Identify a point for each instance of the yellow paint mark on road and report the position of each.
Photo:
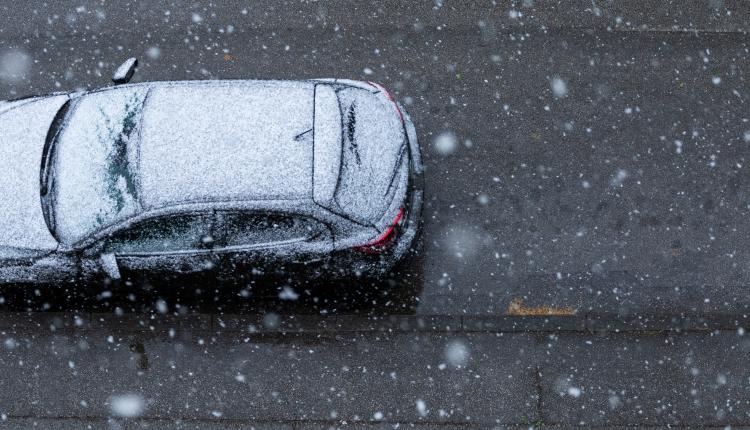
(516, 308)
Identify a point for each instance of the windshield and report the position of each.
(46, 172)
(90, 173)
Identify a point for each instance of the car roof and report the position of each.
(226, 140)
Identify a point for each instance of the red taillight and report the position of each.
(390, 97)
(380, 243)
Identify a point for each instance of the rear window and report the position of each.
(373, 144)
(258, 229)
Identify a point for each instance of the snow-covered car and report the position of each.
(230, 178)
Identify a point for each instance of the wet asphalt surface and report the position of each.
(584, 158)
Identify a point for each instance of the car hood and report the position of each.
(23, 129)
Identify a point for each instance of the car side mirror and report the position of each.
(108, 262)
(124, 73)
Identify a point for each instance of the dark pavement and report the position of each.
(582, 157)
(212, 372)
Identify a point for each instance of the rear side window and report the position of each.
(167, 234)
(259, 229)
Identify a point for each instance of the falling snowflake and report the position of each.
(446, 143)
(457, 353)
(127, 405)
(14, 66)
(559, 87)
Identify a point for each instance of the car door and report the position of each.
(163, 248)
(269, 245)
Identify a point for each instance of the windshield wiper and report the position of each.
(351, 121)
(46, 172)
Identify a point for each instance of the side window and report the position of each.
(166, 234)
(247, 228)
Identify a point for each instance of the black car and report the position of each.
(223, 177)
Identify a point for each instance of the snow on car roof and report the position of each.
(231, 140)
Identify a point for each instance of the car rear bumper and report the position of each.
(412, 225)
(407, 242)
(353, 263)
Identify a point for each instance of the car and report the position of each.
(233, 178)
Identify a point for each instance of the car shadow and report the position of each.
(397, 293)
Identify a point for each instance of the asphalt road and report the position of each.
(582, 157)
